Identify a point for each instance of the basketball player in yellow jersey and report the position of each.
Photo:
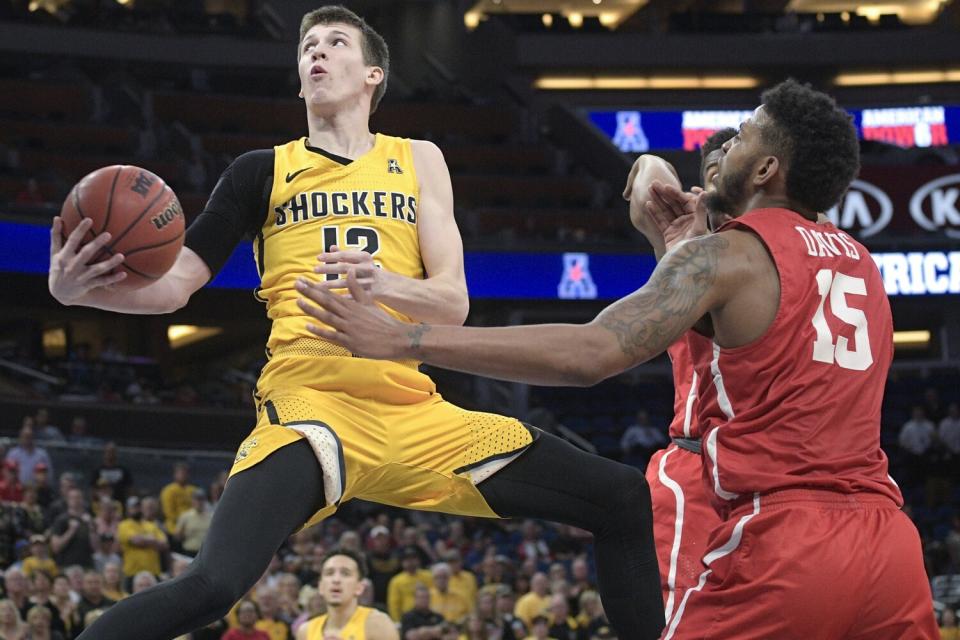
(341, 583)
(330, 426)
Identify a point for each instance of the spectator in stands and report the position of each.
(80, 433)
(39, 558)
(151, 513)
(8, 533)
(59, 504)
(932, 406)
(66, 607)
(641, 438)
(177, 497)
(270, 622)
(948, 625)
(141, 541)
(11, 624)
(41, 585)
(143, 581)
(41, 478)
(106, 535)
(72, 533)
(540, 628)
(39, 625)
(43, 429)
(420, 622)
(247, 616)
(452, 606)
(536, 601)
(193, 524)
(592, 618)
(505, 606)
(16, 588)
(288, 591)
(74, 574)
(461, 581)
(26, 454)
(916, 437)
(313, 607)
(402, 587)
(10, 488)
(581, 582)
(533, 546)
(383, 560)
(112, 473)
(30, 194)
(92, 598)
(30, 517)
(561, 625)
(113, 581)
(949, 430)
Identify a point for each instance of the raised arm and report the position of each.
(441, 296)
(691, 280)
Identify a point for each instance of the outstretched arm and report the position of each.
(689, 282)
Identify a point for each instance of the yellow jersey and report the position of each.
(369, 204)
(355, 629)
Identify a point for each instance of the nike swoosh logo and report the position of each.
(291, 176)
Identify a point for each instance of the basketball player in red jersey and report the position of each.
(682, 514)
(813, 543)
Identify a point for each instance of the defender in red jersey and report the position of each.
(813, 543)
(682, 514)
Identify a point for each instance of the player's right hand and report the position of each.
(71, 278)
(680, 215)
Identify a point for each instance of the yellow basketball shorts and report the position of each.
(394, 441)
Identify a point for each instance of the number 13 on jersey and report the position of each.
(836, 287)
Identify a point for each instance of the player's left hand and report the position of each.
(353, 321)
(337, 261)
(680, 215)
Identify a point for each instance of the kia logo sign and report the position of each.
(934, 205)
(864, 207)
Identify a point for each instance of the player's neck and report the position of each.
(339, 616)
(345, 133)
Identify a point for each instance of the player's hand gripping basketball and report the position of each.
(354, 321)
(71, 277)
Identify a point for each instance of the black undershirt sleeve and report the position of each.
(237, 208)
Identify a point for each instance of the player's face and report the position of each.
(732, 181)
(331, 66)
(340, 581)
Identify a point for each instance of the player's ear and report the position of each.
(768, 168)
(374, 75)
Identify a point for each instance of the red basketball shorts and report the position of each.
(810, 565)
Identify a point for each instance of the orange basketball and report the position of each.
(141, 213)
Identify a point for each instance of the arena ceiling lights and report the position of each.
(610, 13)
(878, 78)
(632, 83)
(909, 11)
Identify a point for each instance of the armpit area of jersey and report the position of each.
(237, 208)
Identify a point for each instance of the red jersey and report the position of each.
(685, 385)
(800, 406)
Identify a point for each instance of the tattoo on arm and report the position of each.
(416, 335)
(647, 321)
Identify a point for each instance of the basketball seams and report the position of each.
(116, 178)
(154, 246)
(139, 217)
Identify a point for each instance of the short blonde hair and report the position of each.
(375, 50)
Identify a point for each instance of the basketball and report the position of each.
(141, 213)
